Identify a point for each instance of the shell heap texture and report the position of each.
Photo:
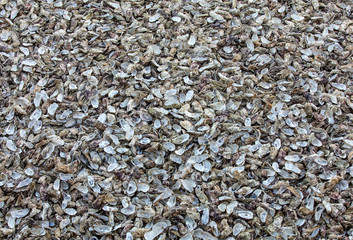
(199, 119)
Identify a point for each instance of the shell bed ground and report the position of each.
(199, 119)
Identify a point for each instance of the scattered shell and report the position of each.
(245, 214)
(20, 213)
(70, 211)
(297, 17)
(156, 230)
(102, 229)
(181, 139)
(29, 62)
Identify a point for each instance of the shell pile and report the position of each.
(193, 119)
